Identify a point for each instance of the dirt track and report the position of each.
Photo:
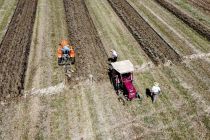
(203, 4)
(153, 45)
(15, 48)
(193, 23)
(91, 56)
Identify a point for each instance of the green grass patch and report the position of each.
(196, 13)
(206, 121)
(1, 3)
(93, 112)
(182, 91)
(191, 35)
(39, 136)
(114, 32)
(6, 18)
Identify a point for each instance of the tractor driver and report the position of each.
(65, 46)
(64, 49)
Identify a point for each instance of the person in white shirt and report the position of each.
(155, 91)
(114, 55)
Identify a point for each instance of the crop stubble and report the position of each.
(153, 45)
(14, 49)
(190, 21)
(90, 56)
(203, 4)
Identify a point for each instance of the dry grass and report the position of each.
(114, 34)
(193, 11)
(91, 110)
(6, 12)
(166, 116)
(181, 37)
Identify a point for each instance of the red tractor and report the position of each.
(121, 76)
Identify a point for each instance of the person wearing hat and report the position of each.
(65, 48)
(62, 49)
(114, 55)
(155, 91)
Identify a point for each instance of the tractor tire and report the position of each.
(59, 61)
(139, 96)
(72, 60)
(122, 99)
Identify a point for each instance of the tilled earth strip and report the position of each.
(152, 43)
(90, 56)
(190, 21)
(14, 49)
(203, 4)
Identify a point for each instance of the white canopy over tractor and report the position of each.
(123, 66)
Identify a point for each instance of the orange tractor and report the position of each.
(65, 53)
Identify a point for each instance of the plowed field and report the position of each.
(160, 45)
(193, 23)
(203, 4)
(15, 48)
(91, 56)
(153, 45)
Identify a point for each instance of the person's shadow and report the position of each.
(148, 93)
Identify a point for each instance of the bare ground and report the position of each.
(91, 56)
(16, 46)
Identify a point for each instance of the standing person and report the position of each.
(155, 91)
(114, 55)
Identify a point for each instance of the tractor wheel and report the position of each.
(122, 99)
(72, 60)
(138, 95)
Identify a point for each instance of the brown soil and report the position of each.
(91, 56)
(14, 49)
(203, 4)
(153, 45)
(190, 21)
